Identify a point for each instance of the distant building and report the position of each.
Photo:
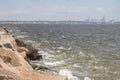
(102, 20)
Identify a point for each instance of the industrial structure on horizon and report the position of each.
(86, 21)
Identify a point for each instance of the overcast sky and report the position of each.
(59, 9)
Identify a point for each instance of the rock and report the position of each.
(22, 49)
(8, 45)
(8, 75)
(20, 43)
(3, 30)
(4, 77)
(6, 59)
(32, 54)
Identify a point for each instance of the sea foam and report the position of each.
(67, 73)
(56, 63)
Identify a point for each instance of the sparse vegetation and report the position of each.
(34, 66)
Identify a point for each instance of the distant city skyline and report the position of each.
(58, 10)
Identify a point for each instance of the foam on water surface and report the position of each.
(56, 63)
(91, 50)
(68, 74)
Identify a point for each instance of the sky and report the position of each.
(56, 10)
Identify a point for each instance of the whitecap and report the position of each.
(61, 47)
(56, 63)
(76, 66)
(82, 54)
(87, 78)
(67, 73)
(45, 54)
(30, 41)
(45, 41)
(51, 51)
(21, 36)
(69, 48)
(58, 51)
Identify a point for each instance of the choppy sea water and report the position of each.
(79, 51)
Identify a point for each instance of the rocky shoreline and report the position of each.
(14, 60)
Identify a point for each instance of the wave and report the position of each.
(67, 73)
(56, 63)
(70, 75)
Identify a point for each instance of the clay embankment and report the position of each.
(13, 64)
